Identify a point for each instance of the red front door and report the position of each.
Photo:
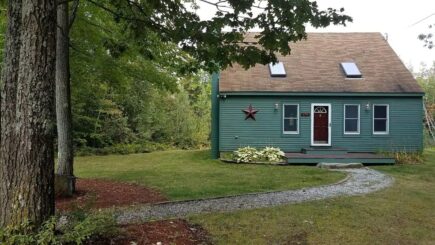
(321, 127)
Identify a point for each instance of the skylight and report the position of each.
(351, 70)
(277, 70)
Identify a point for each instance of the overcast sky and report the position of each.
(397, 18)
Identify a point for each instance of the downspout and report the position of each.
(215, 115)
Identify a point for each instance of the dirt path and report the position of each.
(358, 182)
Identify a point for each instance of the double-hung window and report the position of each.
(351, 119)
(291, 119)
(380, 119)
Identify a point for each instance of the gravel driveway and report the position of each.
(359, 181)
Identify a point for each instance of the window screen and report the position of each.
(351, 119)
(380, 119)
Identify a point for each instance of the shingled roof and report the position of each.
(314, 66)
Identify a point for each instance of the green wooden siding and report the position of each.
(405, 125)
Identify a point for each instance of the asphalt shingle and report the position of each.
(314, 66)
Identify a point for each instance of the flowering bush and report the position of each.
(250, 154)
(246, 154)
(272, 154)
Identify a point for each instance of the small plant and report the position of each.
(404, 157)
(246, 154)
(94, 225)
(250, 155)
(61, 230)
(408, 157)
(20, 234)
(272, 154)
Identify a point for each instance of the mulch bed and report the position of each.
(163, 232)
(95, 194)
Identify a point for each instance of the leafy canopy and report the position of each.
(427, 38)
(219, 41)
(127, 91)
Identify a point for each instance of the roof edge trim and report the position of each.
(344, 94)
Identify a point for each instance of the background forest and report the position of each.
(426, 79)
(128, 96)
(132, 96)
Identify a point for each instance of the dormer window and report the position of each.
(277, 70)
(351, 70)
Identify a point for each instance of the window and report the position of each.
(277, 70)
(291, 119)
(351, 119)
(351, 70)
(380, 119)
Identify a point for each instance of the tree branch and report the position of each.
(62, 2)
(73, 15)
(96, 25)
(218, 4)
(155, 26)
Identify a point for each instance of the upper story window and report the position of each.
(380, 119)
(291, 119)
(351, 119)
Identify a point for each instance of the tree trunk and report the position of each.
(8, 135)
(66, 181)
(10, 77)
(26, 153)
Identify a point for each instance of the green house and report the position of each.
(339, 97)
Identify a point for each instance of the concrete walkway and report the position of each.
(358, 182)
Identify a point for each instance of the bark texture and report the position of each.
(63, 102)
(27, 114)
(8, 139)
(10, 77)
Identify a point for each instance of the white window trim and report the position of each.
(283, 118)
(329, 123)
(388, 120)
(344, 120)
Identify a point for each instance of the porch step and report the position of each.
(325, 150)
(339, 165)
(364, 158)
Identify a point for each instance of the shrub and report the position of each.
(65, 230)
(250, 154)
(123, 149)
(272, 154)
(246, 154)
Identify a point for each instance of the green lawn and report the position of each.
(402, 214)
(192, 174)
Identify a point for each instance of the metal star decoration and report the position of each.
(250, 112)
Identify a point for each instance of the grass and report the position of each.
(402, 214)
(192, 174)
